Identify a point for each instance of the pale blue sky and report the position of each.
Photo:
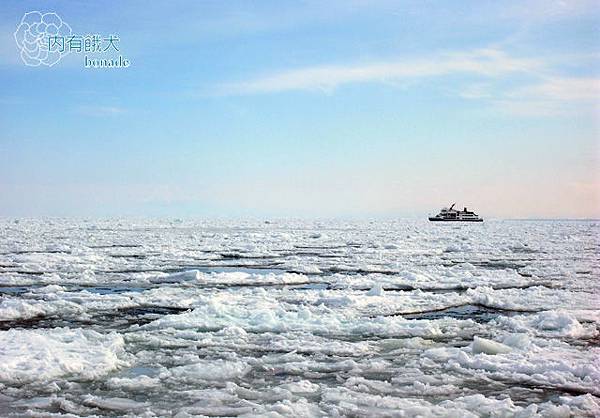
(307, 108)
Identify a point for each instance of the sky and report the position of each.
(306, 109)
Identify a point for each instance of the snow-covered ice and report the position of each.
(299, 318)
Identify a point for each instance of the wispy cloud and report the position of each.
(563, 88)
(540, 92)
(543, 96)
(484, 62)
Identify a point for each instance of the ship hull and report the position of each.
(455, 220)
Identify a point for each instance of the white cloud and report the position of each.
(563, 88)
(484, 62)
(546, 96)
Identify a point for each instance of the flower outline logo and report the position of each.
(33, 38)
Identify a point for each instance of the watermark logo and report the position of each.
(44, 38)
(33, 38)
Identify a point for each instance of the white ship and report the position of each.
(454, 215)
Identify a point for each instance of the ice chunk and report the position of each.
(520, 341)
(483, 345)
(40, 355)
(549, 323)
(138, 383)
(302, 386)
(216, 370)
(335, 301)
(14, 309)
(177, 277)
(376, 290)
(559, 321)
(11, 309)
(114, 404)
(51, 288)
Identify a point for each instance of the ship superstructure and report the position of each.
(451, 214)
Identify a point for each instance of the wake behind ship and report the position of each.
(454, 215)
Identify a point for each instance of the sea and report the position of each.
(299, 318)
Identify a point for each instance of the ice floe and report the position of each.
(41, 355)
(182, 317)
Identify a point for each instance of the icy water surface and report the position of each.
(298, 318)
